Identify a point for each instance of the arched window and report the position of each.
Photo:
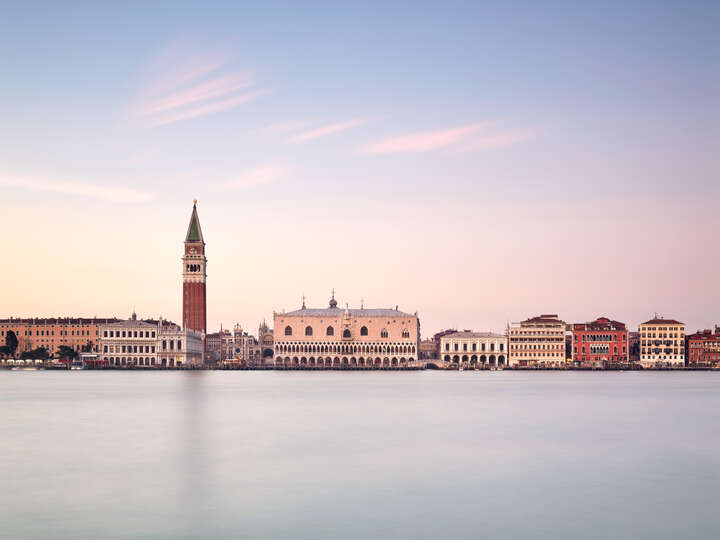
(346, 333)
(308, 330)
(406, 333)
(383, 333)
(330, 331)
(364, 331)
(288, 331)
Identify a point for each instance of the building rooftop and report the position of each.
(469, 334)
(337, 312)
(601, 323)
(546, 318)
(660, 320)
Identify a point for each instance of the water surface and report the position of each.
(167, 455)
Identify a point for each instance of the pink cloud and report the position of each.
(273, 130)
(327, 130)
(201, 92)
(255, 177)
(424, 141)
(181, 84)
(167, 72)
(209, 108)
(501, 140)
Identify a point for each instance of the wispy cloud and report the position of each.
(461, 138)
(423, 141)
(254, 177)
(275, 130)
(216, 106)
(329, 129)
(500, 140)
(92, 191)
(182, 84)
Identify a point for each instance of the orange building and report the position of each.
(79, 333)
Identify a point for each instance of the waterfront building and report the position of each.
(662, 343)
(346, 338)
(265, 346)
(537, 342)
(179, 347)
(600, 343)
(194, 277)
(148, 344)
(130, 343)
(428, 349)
(634, 346)
(483, 349)
(702, 348)
(80, 334)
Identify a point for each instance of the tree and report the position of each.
(40, 352)
(11, 341)
(5, 350)
(66, 352)
(88, 347)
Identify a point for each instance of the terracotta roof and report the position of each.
(601, 323)
(662, 321)
(59, 320)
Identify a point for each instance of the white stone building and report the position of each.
(149, 344)
(130, 343)
(482, 349)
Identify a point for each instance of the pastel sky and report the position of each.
(479, 162)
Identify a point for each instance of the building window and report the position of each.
(406, 333)
(383, 333)
(346, 333)
(308, 330)
(364, 331)
(330, 331)
(288, 331)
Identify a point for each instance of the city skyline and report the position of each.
(494, 165)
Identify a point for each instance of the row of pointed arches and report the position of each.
(343, 362)
(344, 348)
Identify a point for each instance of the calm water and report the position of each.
(86, 455)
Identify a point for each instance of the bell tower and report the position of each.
(194, 277)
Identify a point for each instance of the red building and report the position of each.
(702, 349)
(600, 343)
(194, 277)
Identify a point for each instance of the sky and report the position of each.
(476, 162)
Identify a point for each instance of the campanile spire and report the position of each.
(194, 276)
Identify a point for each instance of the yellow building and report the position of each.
(662, 343)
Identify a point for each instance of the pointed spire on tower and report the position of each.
(333, 302)
(194, 232)
(303, 302)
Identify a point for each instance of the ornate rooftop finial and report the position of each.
(194, 202)
(362, 303)
(333, 302)
(303, 302)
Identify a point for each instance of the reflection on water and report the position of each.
(359, 455)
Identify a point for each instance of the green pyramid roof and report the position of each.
(194, 233)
